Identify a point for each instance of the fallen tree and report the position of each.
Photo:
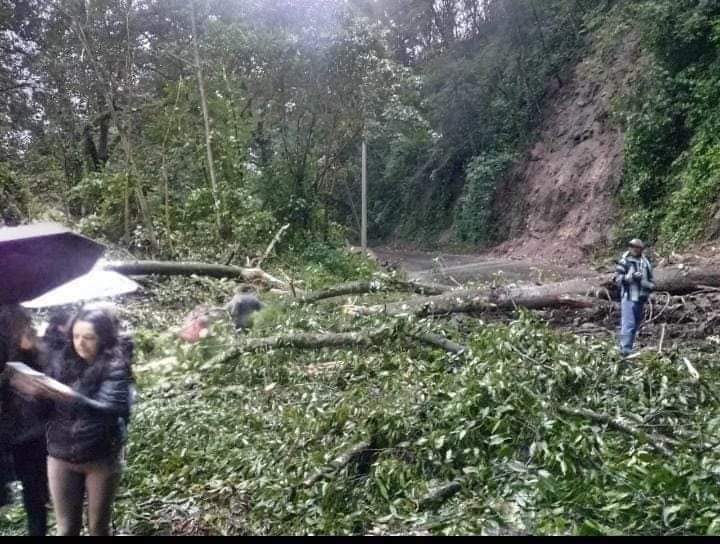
(682, 280)
(308, 340)
(374, 286)
(473, 301)
(576, 293)
(169, 268)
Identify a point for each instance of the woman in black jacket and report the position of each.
(85, 437)
(22, 421)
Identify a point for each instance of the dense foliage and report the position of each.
(103, 117)
(491, 419)
(105, 113)
(224, 446)
(672, 150)
(197, 129)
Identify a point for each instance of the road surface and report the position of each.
(453, 269)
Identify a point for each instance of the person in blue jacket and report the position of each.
(634, 276)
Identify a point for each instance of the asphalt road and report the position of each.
(453, 269)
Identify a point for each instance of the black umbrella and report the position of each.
(37, 258)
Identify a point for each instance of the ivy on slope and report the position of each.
(672, 150)
(226, 448)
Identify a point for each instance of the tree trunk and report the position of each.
(141, 268)
(107, 89)
(372, 286)
(206, 120)
(474, 301)
(577, 293)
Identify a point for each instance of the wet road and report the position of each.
(453, 269)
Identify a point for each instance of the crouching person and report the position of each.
(86, 436)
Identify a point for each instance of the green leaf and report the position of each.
(669, 513)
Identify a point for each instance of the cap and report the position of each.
(637, 242)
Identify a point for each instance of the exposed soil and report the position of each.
(557, 203)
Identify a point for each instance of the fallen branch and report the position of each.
(374, 286)
(473, 300)
(439, 341)
(274, 241)
(340, 462)
(440, 494)
(306, 340)
(167, 268)
(657, 441)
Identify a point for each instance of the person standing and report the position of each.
(634, 276)
(86, 435)
(22, 421)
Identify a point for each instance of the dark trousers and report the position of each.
(30, 461)
(68, 483)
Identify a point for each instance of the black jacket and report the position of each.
(22, 420)
(93, 427)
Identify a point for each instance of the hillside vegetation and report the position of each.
(458, 101)
(550, 129)
(528, 432)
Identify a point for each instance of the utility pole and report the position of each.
(363, 226)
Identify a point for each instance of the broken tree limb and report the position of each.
(474, 301)
(438, 341)
(274, 241)
(374, 286)
(438, 495)
(576, 293)
(168, 268)
(340, 462)
(657, 441)
(306, 340)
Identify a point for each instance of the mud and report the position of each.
(557, 204)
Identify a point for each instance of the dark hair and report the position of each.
(60, 318)
(105, 327)
(14, 321)
(109, 351)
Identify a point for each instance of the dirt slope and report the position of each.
(557, 203)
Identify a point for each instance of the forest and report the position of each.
(213, 146)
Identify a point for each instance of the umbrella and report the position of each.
(37, 258)
(95, 284)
